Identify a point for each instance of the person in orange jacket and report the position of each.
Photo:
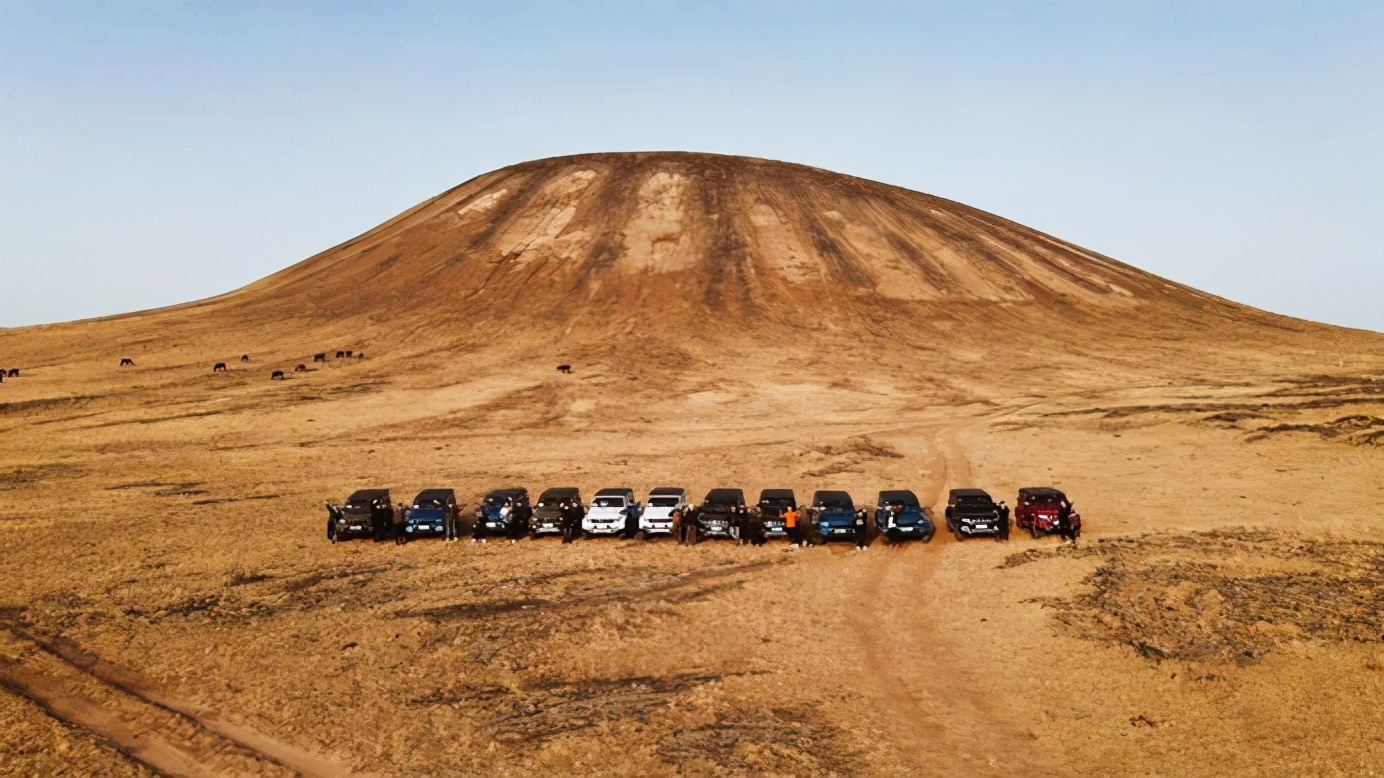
(790, 525)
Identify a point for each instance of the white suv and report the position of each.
(612, 512)
(657, 518)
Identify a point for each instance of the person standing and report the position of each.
(1003, 511)
(571, 521)
(631, 521)
(689, 526)
(862, 530)
(677, 524)
(399, 513)
(754, 527)
(449, 522)
(1064, 521)
(790, 525)
(518, 525)
(332, 515)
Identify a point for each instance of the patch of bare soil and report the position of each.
(1226, 595)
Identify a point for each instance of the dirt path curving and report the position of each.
(166, 735)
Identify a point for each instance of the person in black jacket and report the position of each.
(571, 521)
(690, 521)
(332, 515)
(754, 527)
(1064, 522)
(452, 518)
(1004, 521)
(517, 522)
(862, 530)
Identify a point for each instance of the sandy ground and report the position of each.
(170, 599)
(169, 603)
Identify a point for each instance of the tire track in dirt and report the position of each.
(869, 629)
(887, 685)
(909, 666)
(168, 736)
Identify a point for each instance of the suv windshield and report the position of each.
(776, 502)
(663, 502)
(609, 502)
(974, 504)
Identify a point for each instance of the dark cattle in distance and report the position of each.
(219, 367)
(340, 354)
(277, 375)
(348, 352)
(564, 368)
(319, 357)
(301, 369)
(244, 357)
(14, 372)
(127, 362)
(361, 355)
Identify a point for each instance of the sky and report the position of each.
(154, 152)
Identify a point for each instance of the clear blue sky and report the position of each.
(156, 152)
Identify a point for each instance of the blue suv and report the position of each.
(899, 516)
(833, 517)
(429, 514)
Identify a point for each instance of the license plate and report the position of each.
(354, 526)
(841, 531)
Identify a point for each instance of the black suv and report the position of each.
(550, 517)
(366, 513)
(772, 504)
(720, 515)
(971, 512)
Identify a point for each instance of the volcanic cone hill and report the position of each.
(648, 237)
(677, 255)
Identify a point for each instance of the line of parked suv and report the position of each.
(896, 515)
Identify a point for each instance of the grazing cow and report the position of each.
(340, 354)
(301, 369)
(219, 367)
(277, 375)
(319, 357)
(127, 362)
(244, 357)
(348, 352)
(361, 355)
(564, 368)
(14, 372)
(2, 379)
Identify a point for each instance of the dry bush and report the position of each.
(1224, 595)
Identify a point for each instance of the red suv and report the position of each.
(1036, 510)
